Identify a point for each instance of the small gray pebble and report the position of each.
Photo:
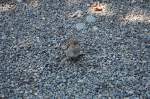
(134, 97)
(90, 19)
(19, 0)
(94, 28)
(80, 26)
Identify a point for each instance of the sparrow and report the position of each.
(73, 50)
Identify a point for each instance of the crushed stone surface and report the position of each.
(116, 64)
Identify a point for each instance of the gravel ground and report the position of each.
(116, 64)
